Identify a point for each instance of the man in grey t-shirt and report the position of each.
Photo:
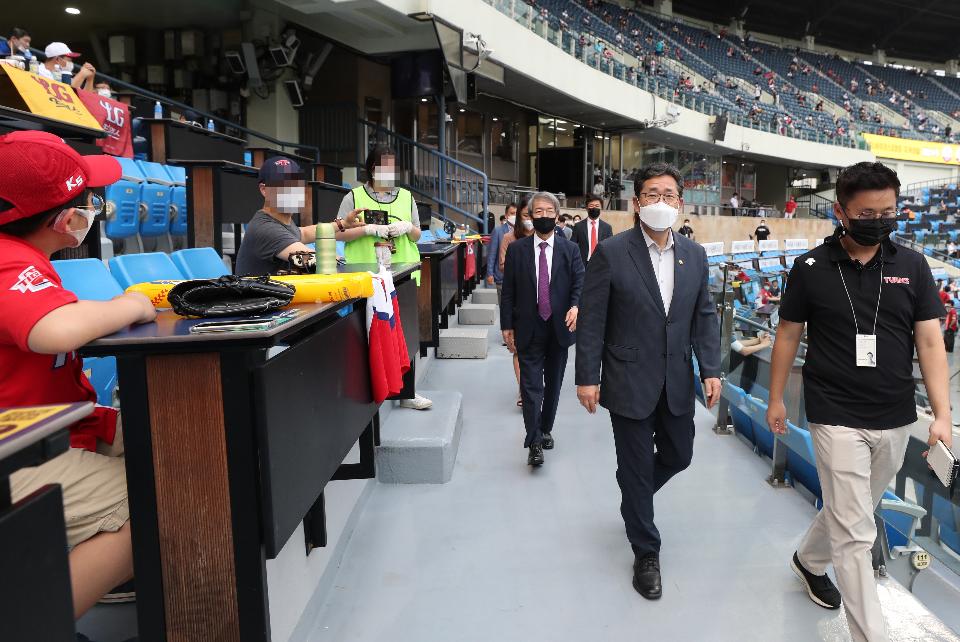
(271, 235)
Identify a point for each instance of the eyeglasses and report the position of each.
(650, 198)
(869, 214)
(540, 211)
(95, 207)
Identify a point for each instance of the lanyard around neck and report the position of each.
(879, 292)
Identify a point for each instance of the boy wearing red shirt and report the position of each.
(46, 205)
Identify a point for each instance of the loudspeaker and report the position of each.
(718, 129)
(471, 86)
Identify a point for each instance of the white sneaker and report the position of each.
(417, 403)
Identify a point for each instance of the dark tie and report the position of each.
(543, 285)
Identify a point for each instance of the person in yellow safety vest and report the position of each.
(361, 238)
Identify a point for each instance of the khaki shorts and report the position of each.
(94, 488)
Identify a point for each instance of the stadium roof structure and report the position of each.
(911, 29)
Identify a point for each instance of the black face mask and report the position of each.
(545, 224)
(593, 212)
(869, 232)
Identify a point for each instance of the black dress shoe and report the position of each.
(547, 442)
(646, 576)
(535, 458)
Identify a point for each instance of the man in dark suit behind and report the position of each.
(542, 280)
(645, 309)
(591, 231)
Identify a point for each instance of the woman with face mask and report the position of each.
(523, 226)
(387, 228)
(379, 223)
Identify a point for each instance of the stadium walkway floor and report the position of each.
(508, 554)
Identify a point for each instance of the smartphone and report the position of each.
(252, 324)
(376, 217)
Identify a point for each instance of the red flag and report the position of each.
(114, 118)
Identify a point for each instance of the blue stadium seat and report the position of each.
(199, 263)
(156, 197)
(139, 268)
(178, 223)
(801, 459)
(757, 411)
(90, 280)
(123, 202)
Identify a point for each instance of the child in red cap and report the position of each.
(46, 205)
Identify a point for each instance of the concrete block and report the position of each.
(463, 343)
(420, 446)
(477, 314)
(487, 296)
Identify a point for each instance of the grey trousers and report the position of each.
(856, 466)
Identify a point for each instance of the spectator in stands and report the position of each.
(58, 60)
(46, 205)
(522, 229)
(952, 249)
(735, 204)
(271, 235)
(860, 403)
(494, 275)
(762, 232)
(946, 294)
(18, 44)
(950, 327)
(790, 209)
(686, 230)
(661, 45)
(103, 88)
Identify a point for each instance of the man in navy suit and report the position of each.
(542, 280)
(646, 309)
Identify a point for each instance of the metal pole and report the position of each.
(442, 148)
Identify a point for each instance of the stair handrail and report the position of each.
(438, 197)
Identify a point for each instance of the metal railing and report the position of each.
(916, 189)
(450, 183)
(228, 125)
(817, 205)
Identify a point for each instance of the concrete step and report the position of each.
(463, 343)
(485, 296)
(477, 314)
(420, 446)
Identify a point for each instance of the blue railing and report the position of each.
(451, 184)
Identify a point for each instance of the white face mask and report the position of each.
(659, 216)
(512, 220)
(78, 235)
(291, 200)
(104, 92)
(385, 176)
(528, 225)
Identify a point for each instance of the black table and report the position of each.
(33, 536)
(172, 139)
(441, 281)
(228, 448)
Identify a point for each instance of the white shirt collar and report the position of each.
(651, 243)
(537, 240)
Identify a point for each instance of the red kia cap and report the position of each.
(38, 171)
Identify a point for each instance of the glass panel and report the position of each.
(470, 132)
(564, 133)
(547, 136)
(427, 131)
(503, 137)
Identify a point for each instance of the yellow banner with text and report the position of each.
(921, 151)
(50, 98)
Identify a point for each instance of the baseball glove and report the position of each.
(229, 296)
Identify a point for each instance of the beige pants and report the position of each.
(94, 487)
(855, 466)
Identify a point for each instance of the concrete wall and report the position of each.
(709, 229)
(911, 172)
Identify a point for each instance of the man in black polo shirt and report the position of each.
(762, 232)
(866, 303)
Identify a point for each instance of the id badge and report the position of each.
(867, 350)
